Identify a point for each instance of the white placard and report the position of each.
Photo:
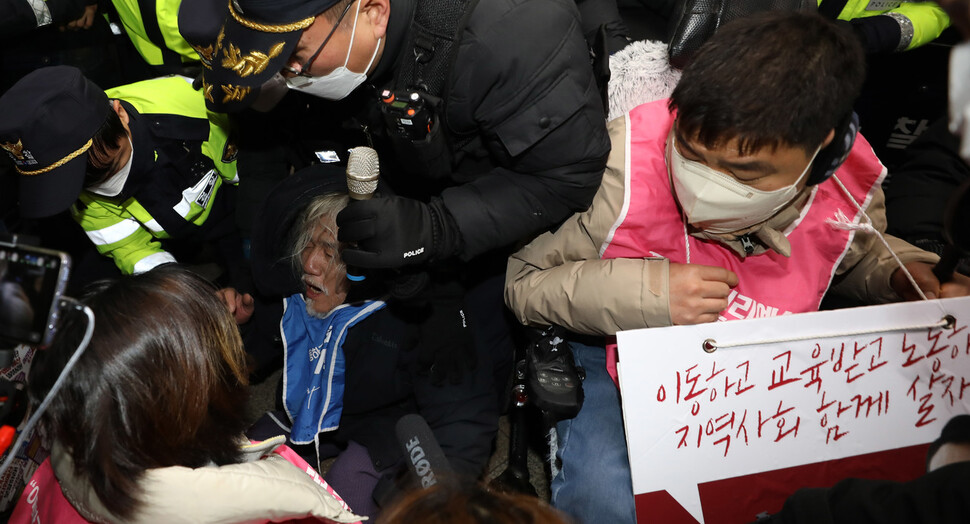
(859, 382)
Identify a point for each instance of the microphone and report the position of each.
(426, 462)
(363, 170)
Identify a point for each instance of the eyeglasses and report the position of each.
(303, 72)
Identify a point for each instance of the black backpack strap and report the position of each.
(435, 37)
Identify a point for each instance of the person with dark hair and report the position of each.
(137, 165)
(469, 503)
(747, 194)
(355, 360)
(149, 424)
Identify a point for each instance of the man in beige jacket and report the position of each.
(747, 194)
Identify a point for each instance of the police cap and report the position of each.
(49, 119)
(243, 43)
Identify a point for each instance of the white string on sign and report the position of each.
(842, 222)
(710, 345)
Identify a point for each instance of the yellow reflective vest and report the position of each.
(152, 26)
(165, 195)
(919, 22)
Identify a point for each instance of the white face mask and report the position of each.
(716, 202)
(115, 183)
(340, 82)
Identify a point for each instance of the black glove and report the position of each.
(394, 231)
(446, 349)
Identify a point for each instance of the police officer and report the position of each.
(508, 135)
(136, 165)
(486, 116)
(153, 29)
(518, 141)
(888, 26)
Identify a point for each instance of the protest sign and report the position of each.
(734, 400)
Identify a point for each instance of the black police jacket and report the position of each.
(523, 96)
(524, 123)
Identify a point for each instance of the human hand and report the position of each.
(958, 286)
(86, 20)
(697, 293)
(387, 232)
(241, 306)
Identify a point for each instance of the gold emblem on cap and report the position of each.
(207, 91)
(55, 165)
(16, 150)
(208, 52)
(253, 63)
(234, 93)
(205, 53)
(268, 28)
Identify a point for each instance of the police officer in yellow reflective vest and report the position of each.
(136, 165)
(886, 26)
(152, 26)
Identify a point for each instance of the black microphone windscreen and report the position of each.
(426, 462)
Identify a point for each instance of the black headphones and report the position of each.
(829, 159)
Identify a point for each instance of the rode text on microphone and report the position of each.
(426, 462)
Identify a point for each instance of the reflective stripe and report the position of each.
(906, 30)
(149, 262)
(195, 193)
(114, 233)
(41, 12)
(882, 5)
(154, 226)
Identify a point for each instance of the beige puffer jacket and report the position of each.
(264, 487)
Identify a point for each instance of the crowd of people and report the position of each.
(212, 177)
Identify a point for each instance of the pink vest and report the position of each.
(43, 501)
(770, 284)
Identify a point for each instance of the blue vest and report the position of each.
(313, 369)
